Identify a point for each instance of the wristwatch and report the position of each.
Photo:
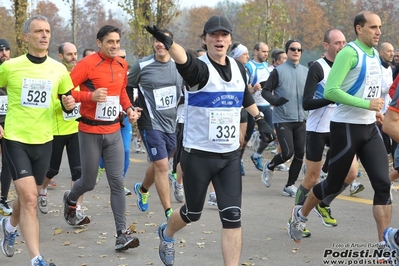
(259, 116)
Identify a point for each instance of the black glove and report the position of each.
(160, 36)
(280, 101)
(266, 132)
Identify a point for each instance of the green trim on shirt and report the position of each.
(344, 62)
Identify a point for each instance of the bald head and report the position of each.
(68, 54)
(261, 52)
(386, 52)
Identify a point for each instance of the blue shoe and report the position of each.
(142, 198)
(257, 162)
(8, 239)
(166, 248)
(389, 238)
(41, 262)
(242, 168)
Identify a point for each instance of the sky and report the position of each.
(183, 3)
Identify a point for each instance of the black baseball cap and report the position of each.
(4, 44)
(216, 23)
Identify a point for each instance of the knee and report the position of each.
(322, 190)
(231, 217)
(51, 173)
(76, 173)
(189, 217)
(382, 195)
(286, 155)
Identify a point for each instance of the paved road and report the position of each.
(264, 215)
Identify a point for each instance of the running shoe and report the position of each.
(297, 225)
(168, 213)
(81, 218)
(52, 183)
(42, 204)
(172, 176)
(5, 208)
(256, 141)
(8, 239)
(267, 175)
(389, 238)
(290, 191)
(325, 214)
(322, 176)
(178, 192)
(212, 201)
(127, 191)
(142, 198)
(166, 248)
(282, 167)
(306, 233)
(355, 188)
(99, 174)
(303, 169)
(69, 211)
(258, 162)
(125, 241)
(137, 146)
(384, 255)
(39, 261)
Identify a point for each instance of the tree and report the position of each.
(340, 14)
(57, 24)
(147, 12)
(74, 14)
(263, 21)
(7, 28)
(307, 22)
(20, 14)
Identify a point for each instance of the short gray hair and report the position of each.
(29, 21)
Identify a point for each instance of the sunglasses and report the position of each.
(4, 49)
(295, 49)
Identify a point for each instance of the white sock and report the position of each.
(9, 227)
(179, 185)
(256, 155)
(43, 192)
(78, 207)
(301, 215)
(212, 193)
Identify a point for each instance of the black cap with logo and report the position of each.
(4, 44)
(216, 23)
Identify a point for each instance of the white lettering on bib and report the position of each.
(165, 98)
(109, 110)
(224, 126)
(36, 93)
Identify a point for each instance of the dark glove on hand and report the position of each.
(280, 101)
(265, 131)
(160, 36)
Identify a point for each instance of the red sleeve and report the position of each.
(79, 74)
(81, 96)
(393, 87)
